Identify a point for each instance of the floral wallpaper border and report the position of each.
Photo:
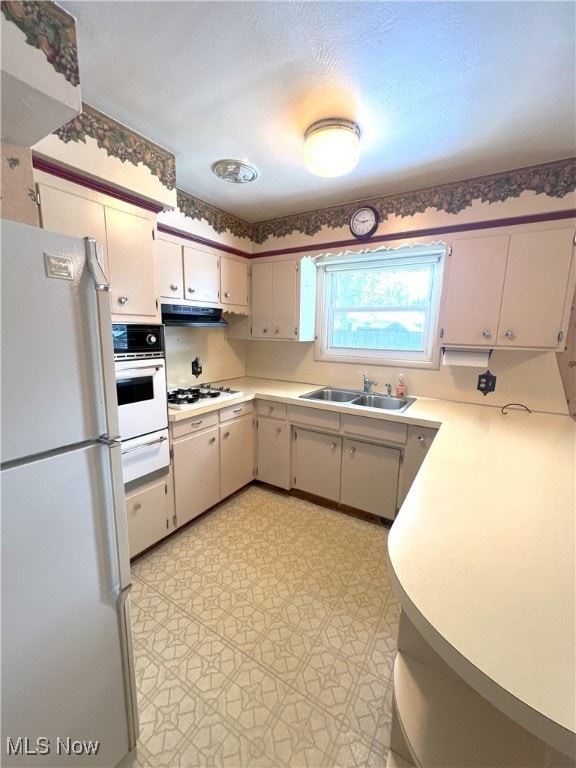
(219, 220)
(51, 30)
(555, 179)
(119, 141)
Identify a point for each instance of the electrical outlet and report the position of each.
(486, 383)
(196, 367)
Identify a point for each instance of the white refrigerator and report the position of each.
(67, 676)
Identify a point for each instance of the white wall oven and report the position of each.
(142, 405)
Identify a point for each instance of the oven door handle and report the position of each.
(129, 371)
(145, 445)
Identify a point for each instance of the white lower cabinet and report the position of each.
(417, 446)
(150, 514)
(273, 452)
(213, 456)
(352, 472)
(370, 477)
(196, 473)
(353, 460)
(236, 454)
(317, 458)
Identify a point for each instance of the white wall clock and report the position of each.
(364, 222)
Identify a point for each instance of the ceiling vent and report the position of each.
(235, 171)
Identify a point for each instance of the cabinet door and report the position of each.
(475, 283)
(274, 452)
(233, 282)
(535, 288)
(196, 474)
(317, 463)
(168, 269)
(72, 215)
(417, 446)
(284, 296)
(148, 521)
(370, 477)
(131, 260)
(201, 276)
(262, 301)
(236, 454)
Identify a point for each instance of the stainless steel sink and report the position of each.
(355, 397)
(333, 395)
(384, 402)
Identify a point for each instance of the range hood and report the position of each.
(196, 317)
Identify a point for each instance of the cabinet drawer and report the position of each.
(235, 411)
(187, 427)
(314, 417)
(379, 429)
(271, 410)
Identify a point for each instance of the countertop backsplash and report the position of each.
(221, 358)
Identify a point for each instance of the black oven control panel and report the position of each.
(137, 342)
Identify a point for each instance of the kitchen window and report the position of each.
(380, 307)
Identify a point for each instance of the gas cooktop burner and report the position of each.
(187, 397)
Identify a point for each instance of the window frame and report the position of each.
(406, 255)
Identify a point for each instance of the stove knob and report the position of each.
(151, 339)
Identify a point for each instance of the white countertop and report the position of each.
(483, 551)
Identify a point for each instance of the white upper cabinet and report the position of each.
(509, 290)
(127, 237)
(199, 275)
(233, 283)
(131, 260)
(169, 269)
(283, 299)
(535, 288)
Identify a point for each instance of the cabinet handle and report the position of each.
(137, 506)
(264, 330)
(196, 423)
(276, 330)
(227, 294)
(421, 439)
(191, 290)
(333, 446)
(173, 287)
(226, 435)
(352, 451)
(278, 430)
(212, 440)
(122, 300)
(237, 410)
(510, 335)
(486, 333)
(270, 409)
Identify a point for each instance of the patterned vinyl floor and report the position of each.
(264, 635)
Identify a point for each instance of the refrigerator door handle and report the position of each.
(94, 259)
(128, 664)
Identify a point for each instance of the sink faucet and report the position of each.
(388, 389)
(368, 383)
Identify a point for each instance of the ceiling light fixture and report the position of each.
(331, 147)
(235, 171)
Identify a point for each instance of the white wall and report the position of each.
(221, 358)
(531, 378)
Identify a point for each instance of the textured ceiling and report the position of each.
(441, 91)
